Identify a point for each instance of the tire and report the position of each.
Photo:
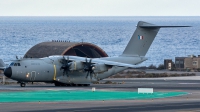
(63, 84)
(79, 84)
(22, 84)
(73, 84)
(86, 84)
(57, 84)
(68, 84)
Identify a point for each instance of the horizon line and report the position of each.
(99, 16)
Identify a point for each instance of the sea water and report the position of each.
(19, 34)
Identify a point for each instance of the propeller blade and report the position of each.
(89, 68)
(17, 57)
(90, 61)
(87, 75)
(66, 65)
(86, 60)
(91, 74)
(67, 60)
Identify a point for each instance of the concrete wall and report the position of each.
(168, 64)
(192, 62)
(179, 62)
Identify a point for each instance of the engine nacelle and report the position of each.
(98, 68)
(76, 65)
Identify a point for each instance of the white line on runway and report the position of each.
(188, 83)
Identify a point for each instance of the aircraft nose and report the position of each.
(8, 72)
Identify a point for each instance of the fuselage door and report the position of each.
(33, 75)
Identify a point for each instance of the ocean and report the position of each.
(19, 34)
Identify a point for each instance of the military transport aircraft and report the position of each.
(82, 71)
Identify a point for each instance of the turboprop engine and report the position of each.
(88, 67)
(99, 68)
(76, 65)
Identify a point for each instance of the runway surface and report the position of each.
(184, 103)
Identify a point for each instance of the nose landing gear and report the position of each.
(22, 84)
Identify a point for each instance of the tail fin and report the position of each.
(142, 39)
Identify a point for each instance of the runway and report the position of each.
(184, 103)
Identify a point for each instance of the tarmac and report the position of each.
(189, 102)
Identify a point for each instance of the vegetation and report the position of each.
(152, 66)
(142, 74)
(160, 67)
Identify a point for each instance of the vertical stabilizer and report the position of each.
(141, 39)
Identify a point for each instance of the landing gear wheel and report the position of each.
(57, 84)
(73, 84)
(86, 84)
(22, 84)
(68, 85)
(79, 84)
(63, 84)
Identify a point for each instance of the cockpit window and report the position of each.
(11, 64)
(15, 64)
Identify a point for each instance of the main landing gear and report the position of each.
(62, 84)
(59, 84)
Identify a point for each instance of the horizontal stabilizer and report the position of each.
(143, 24)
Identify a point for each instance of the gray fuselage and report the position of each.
(48, 70)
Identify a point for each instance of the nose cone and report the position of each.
(8, 72)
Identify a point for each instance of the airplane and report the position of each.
(63, 70)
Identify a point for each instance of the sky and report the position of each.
(99, 8)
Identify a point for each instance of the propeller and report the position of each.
(66, 65)
(16, 57)
(89, 68)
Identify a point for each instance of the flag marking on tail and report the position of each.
(140, 37)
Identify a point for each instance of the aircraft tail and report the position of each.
(142, 39)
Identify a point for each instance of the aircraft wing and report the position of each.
(100, 61)
(113, 63)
